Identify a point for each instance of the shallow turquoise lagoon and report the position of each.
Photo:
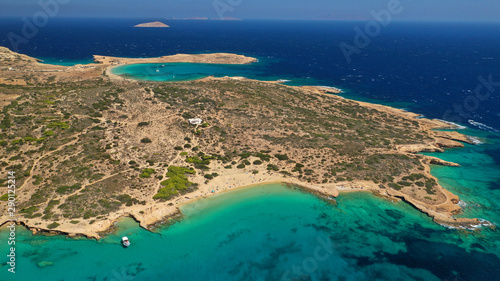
(174, 72)
(65, 62)
(268, 232)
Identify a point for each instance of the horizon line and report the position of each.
(266, 19)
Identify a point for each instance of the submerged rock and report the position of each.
(45, 263)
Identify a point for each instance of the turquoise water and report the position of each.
(184, 71)
(276, 233)
(174, 72)
(373, 239)
(65, 62)
(267, 232)
(477, 181)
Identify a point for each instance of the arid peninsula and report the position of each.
(89, 147)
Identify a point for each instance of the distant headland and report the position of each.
(152, 24)
(217, 58)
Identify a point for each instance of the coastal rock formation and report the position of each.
(452, 135)
(437, 161)
(416, 148)
(7, 55)
(152, 24)
(444, 142)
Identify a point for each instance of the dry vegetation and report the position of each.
(85, 148)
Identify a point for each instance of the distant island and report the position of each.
(152, 24)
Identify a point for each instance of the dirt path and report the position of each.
(37, 160)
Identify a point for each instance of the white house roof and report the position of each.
(195, 121)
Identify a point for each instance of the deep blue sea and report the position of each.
(448, 71)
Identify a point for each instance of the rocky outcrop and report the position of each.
(442, 142)
(416, 148)
(451, 135)
(437, 161)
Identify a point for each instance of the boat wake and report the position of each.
(483, 126)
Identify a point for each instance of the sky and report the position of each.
(407, 10)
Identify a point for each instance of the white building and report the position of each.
(195, 121)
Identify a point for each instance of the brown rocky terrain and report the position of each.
(88, 147)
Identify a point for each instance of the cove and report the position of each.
(176, 72)
(267, 232)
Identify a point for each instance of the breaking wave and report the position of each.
(454, 125)
(483, 126)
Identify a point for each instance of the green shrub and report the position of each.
(395, 186)
(65, 189)
(281, 156)
(18, 141)
(177, 182)
(245, 155)
(146, 173)
(404, 183)
(51, 205)
(263, 156)
(272, 167)
(38, 180)
(29, 211)
(146, 140)
(60, 125)
(53, 225)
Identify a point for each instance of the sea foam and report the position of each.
(483, 126)
(330, 87)
(475, 140)
(454, 125)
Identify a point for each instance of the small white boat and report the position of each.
(125, 241)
